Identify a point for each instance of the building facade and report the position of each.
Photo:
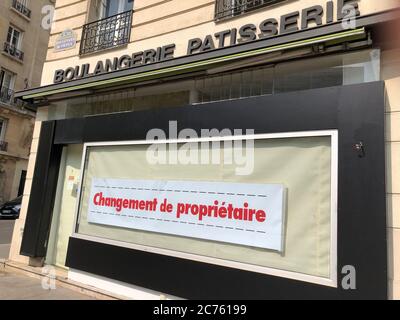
(23, 52)
(127, 191)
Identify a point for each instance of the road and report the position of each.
(6, 230)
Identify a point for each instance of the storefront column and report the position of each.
(391, 75)
(42, 115)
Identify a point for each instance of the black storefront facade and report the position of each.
(351, 115)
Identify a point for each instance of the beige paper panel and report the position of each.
(303, 165)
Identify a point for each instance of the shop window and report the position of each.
(317, 72)
(248, 83)
(305, 74)
(309, 205)
(65, 204)
(327, 71)
(156, 97)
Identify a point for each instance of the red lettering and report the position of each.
(99, 197)
(261, 216)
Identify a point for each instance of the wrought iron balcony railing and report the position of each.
(6, 95)
(3, 146)
(13, 51)
(106, 33)
(21, 8)
(225, 9)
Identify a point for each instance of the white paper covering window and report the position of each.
(301, 164)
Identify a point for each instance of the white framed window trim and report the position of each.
(332, 281)
(7, 79)
(14, 32)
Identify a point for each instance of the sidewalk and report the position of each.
(4, 250)
(19, 281)
(21, 287)
(6, 230)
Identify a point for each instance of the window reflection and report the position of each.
(305, 74)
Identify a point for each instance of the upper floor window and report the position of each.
(22, 7)
(14, 37)
(225, 9)
(2, 126)
(13, 44)
(3, 144)
(110, 8)
(113, 28)
(7, 80)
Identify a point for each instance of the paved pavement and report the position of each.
(21, 287)
(6, 230)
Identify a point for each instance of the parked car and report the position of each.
(11, 209)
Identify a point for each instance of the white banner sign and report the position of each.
(244, 214)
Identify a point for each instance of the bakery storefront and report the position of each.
(250, 167)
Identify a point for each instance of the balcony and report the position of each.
(107, 33)
(3, 146)
(225, 9)
(13, 51)
(6, 95)
(21, 8)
